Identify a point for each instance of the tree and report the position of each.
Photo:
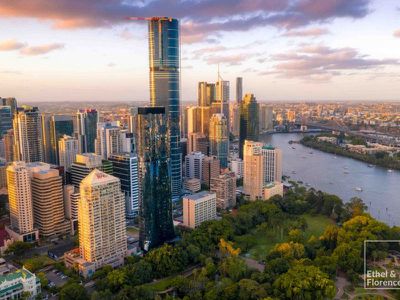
(296, 236)
(356, 207)
(304, 282)
(233, 267)
(44, 282)
(116, 279)
(18, 248)
(73, 291)
(288, 251)
(251, 290)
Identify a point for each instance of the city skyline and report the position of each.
(284, 50)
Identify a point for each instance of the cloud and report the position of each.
(10, 45)
(39, 50)
(10, 72)
(318, 62)
(200, 19)
(397, 33)
(311, 32)
(111, 64)
(229, 59)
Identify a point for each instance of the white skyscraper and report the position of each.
(68, 149)
(193, 165)
(108, 140)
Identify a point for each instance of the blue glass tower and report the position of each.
(5, 119)
(164, 86)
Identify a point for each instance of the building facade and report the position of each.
(210, 169)
(249, 124)
(224, 186)
(87, 120)
(194, 165)
(219, 138)
(68, 148)
(198, 208)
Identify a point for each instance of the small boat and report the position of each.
(311, 152)
(293, 147)
(345, 172)
(370, 166)
(358, 189)
(390, 170)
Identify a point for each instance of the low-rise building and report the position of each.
(13, 285)
(198, 208)
(273, 189)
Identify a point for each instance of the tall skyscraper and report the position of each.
(125, 167)
(12, 102)
(194, 165)
(3, 174)
(87, 120)
(47, 200)
(9, 145)
(194, 119)
(164, 53)
(155, 205)
(262, 166)
(5, 119)
(60, 125)
(239, 89)
(205, 93)
(28, 135)
(249, 124)
(265, 117)
(234, 114)
(198, 142)
(219, 138)
(108, 139)
(84, 164)
(20, 203)
(68, 148)
(46, 144)
(101, 215)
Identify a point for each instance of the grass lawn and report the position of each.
(266, 239)
(161, 285)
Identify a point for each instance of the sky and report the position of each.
(86, 50)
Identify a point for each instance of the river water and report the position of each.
(341, 176)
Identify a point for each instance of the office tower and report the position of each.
(132, 120)
(164, 53)
(47, 200)
(46, 144)
(82, 166)
(9, 145)
(205, 94)
(219, 138)
(108, 139)
(249, 129)
(194, 119)
(155, 206)
(5, 119)
(239, 89)
(211, 168)
(265, 117)
(273, 164)
(11, 102)
(184, 122)
(125, 167)
(3, 174)
(194, 165)
(222, 90)
(87, 120)
(198, 208)
(68, 148)
(192, 185)
(20, 203)
(71, 199)
(234, 114)
(101, 219)
(127, 142)
(262, 166)
(224, 186)
(184, 147)
(198, 142)
(236, 166)
(60, 125)
(2, 149)
(28, 135)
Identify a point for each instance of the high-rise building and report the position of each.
(71, 199)
(219, 138)
(194, 119)
(60, 125)
(262, 166)
(234, 114)
(205, 93)
(46, 144)
(101, 215)
(239, 89)
(164, 53)
(12, 102)
(265, 117)
(87, 120)
(236, 166)
(210, 169)
(194, 165)
(198, 142)
(155, 205)
(3, 174)
(198, 208)
(28, 135)
(68, 148)
(249, 127)
(108, 139)
(6, 116)
(84, 164)
(9, 145)
(20, 203)
(222, 90)
(47, 200)
(125, 167)
(224, 186)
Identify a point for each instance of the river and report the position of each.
(341, 176)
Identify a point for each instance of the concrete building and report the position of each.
(9, 146)
(236, 166)
(198, 208)
(273, 189)
(84, 164)
(205, 94)
(108, 139)
(101, 215)
(198, 142)
(3, 174)
(68, 148)
(224, 186)
(71, 199)
(194, 165)
(193, 185)
(14, 285)
(219, 138)
(20, 203)
(86, 123)
(211, 168)
(239, 89)
(47, 200)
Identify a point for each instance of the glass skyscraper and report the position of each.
(219, 138)
(87, 120)
(164, 54)
(60, 125)
(5, 119)
(155, 205)
(249, 124)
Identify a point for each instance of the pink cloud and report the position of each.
(10, 45)
(397, 33)
(311, 32)
(39, 50)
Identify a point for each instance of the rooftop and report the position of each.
(97, 177)
(199, 195)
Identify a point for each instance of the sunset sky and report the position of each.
(86, 50)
